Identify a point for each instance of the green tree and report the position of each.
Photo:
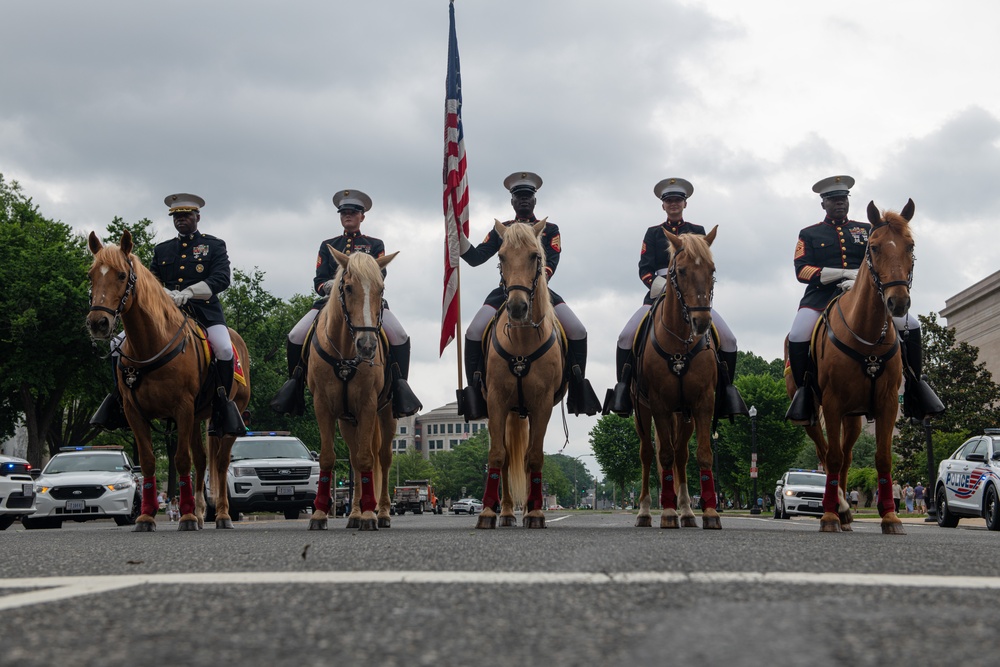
(616, 446)
(574, 472)
(410, 465)
(464, 467)
(748, 363)
(43, 270)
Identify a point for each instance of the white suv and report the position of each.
(17, 490)
(269, 471)
(799, 492)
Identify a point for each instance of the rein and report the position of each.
(347, 316)
(685, 309)
(530, 291)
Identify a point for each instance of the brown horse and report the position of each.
(346, 371)
(859, 367)
(675, 385)
(168, 378)
(524, 378)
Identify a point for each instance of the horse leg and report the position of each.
(710, 519)
(219, 451)
(387, 429)
(200, 464)
(327, 459)
(182, 461)
(537, 421)
(507, 518)
(852, 429)
(146, 521)
(364, 462)
(679, 435)
(496, 461)
(668, 484)
(644, 519)
(830, 521)
(884, 422)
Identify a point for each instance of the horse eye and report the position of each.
(348, 289)
(121, 275)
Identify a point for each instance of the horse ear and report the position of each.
(675, 240)
(385, 259)
(498, 227)
(94, 243)
(874, 216)
(539, 226)
(908, 210)
(337, 255)
(126, 243)
(710, 237)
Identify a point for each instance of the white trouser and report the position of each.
(571, 324)
(727, 340)
(805, 322)
(218, 338)
(394, 331)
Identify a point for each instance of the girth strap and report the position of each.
(520, 365)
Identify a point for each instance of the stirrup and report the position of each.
(404, 401)
(230, 420)
(472, 403)
(581, 398)
(110, 415)
(800, 411)
(621, 401)
(289, 398)
(730, 403)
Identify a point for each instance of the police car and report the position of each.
(84, 483)
(967, 484)
(269, 471)
(17, 490)
(799, 492)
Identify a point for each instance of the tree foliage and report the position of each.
(461, 472)
(616, 446)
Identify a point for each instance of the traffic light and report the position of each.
(340, 482)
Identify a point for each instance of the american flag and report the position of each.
(456, 188)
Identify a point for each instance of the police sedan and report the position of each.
(967, 484)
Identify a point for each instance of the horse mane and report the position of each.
(363, 266)
(898, 224)
(520, 236)
(148, 290)
(696, 246)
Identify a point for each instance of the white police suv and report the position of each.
(17, 490)
(84, 483)
(967, 482)
(799, 492)
(269, 471)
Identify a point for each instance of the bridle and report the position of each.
(347, 315)
(529, 291)
(129, 288)
(686, 310)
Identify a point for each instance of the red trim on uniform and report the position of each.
(668, 496)
(368, 501)
(187, 495)
(150, 503)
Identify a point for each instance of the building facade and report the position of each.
(974, 314)
(439, 430)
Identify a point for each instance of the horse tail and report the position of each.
(377, 471)
(213, 470)
(516, 440)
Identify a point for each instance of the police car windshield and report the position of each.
(806, 479)
(287, 448)
(85, 463)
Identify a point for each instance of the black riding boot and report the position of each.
(802, 410)
(110, 415)
(404, 401)
(728, 401)
(224, 410)
(471, 402)
(619, 399)
(581, 397)
(289, 399)
(919, 400)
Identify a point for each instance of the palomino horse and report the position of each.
(163, 373)
(346, 371)
(859, 367)
(525, 377)
(675, 385)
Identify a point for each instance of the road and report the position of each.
(589, 590)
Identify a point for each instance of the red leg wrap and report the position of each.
(668, 496)
(322, 501)
(885, 502)
(708, 499)
(491, 498)
(831, 500)
(368, 501)
(150, 504)
(187, 495)
(535, 492)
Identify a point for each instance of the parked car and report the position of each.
(269, 471)
(799, 492)
(17, 490)
(968, 480)
(83, 483)
(466, 506)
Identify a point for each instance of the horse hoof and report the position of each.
(144, 527)
(317, 524)
(669, 521)
(644, 521)
(533, 522)
(689, 522)
(223, 523)
(827, 526)
(354, 522)
(508, 521)
(488, 522)
(383, 522)
(711, 523)
(368, 524)
(189, 524)
(846, 518)
(893, 528)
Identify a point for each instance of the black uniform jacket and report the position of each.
(840, 245)
(551, 243)
(326, 265)
(186, 260)
(655, 255)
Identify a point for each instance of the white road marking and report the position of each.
(53, 589)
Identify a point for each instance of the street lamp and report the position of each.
(754, 507)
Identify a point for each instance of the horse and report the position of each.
(163, 373)
(675, 385)
(525, 378)
(346, 373)
(859, 367)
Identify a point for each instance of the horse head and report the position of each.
(890, 256)
(691, 274)
(359, 288)
(522, 264)
(112, 282)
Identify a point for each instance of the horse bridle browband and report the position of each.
(685, 309)
(530, 291)
(347, 316)
(129, 287)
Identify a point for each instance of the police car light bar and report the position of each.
(80, 448)
(265, 433)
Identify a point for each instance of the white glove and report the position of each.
(327, 287)
(846, 285)
(657, 286)
(831, 275)
(197, 291)
(463, 243)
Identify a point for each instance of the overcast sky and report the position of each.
(266, 109)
